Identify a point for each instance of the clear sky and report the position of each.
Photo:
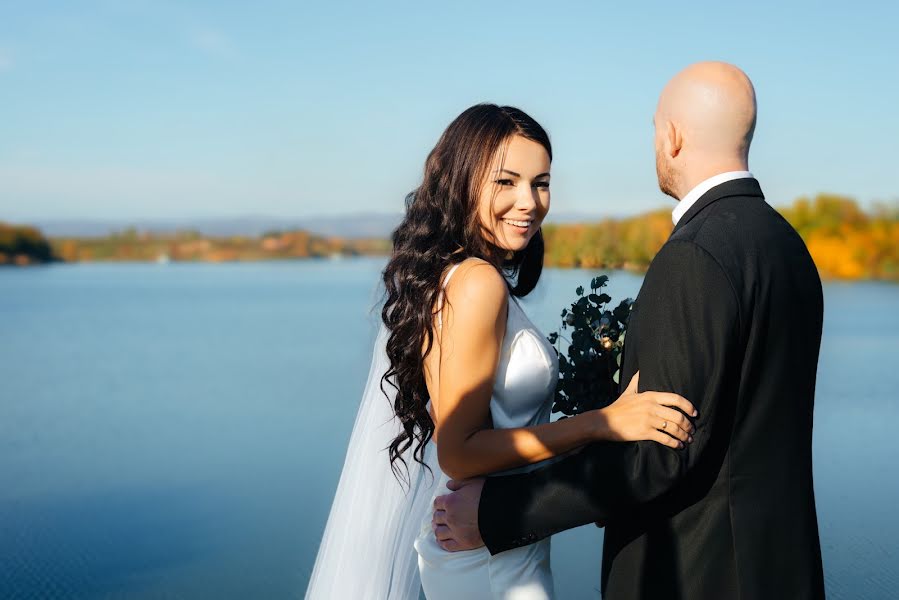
(154, 109)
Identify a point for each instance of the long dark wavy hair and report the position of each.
(441, 227)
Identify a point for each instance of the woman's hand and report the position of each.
(647, 416)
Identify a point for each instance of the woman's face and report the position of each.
(515, 196)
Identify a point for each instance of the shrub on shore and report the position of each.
(23, 245)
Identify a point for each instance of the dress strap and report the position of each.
(450, 274)
(440, 297)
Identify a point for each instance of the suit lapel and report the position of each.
(746, 186)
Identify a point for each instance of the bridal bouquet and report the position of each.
(589, 366)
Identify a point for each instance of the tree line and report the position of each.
(845, 241)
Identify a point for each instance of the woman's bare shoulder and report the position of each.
(477, 282)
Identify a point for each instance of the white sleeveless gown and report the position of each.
(522, 396)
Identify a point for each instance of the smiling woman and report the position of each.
(491, 164)
(455, 214)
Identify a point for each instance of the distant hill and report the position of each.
(354, 226)
(189, 246)
(368, 225)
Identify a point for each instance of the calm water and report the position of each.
(177, 431)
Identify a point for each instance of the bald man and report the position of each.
(729, 316)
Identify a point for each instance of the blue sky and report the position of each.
(155, 109)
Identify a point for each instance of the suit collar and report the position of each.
(737, 187)
(696, 193)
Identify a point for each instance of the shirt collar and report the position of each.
(696, 193)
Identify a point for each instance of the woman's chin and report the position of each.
(514, 247)
(510, 243)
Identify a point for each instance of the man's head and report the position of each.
(703, 125)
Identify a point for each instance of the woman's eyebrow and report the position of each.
(514, 174)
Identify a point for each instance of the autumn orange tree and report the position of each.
(845, 241)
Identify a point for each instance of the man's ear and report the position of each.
(675, 140)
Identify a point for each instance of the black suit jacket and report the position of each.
(729, 316)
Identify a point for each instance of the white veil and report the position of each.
(366, 551)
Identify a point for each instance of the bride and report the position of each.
(461, 382)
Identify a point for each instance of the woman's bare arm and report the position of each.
(474, 318)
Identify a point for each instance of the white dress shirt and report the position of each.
(696, 193)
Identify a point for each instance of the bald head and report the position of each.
(704, 122)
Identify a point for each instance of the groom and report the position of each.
(729, 316)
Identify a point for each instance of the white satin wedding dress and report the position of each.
(378, 543)
(522, 396)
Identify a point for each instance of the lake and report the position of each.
(177, 431)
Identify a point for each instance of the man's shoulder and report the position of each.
(747, 238)
(735, 226)
(716, 241)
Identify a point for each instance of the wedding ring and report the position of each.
(664, 424)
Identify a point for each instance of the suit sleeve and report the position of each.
(687, 343)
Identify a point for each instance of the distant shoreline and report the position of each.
(845, 242)
(630, 268)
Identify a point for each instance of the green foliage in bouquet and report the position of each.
(588, 367)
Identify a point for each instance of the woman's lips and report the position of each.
(519, 225)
